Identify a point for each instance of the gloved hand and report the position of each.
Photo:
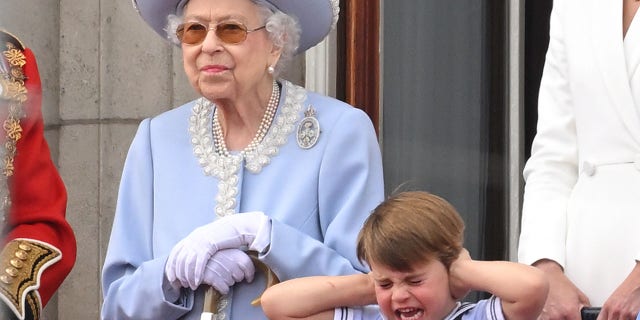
(188, 258)
(226, 267)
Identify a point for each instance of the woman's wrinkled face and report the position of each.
(421, 294)
(219, 70)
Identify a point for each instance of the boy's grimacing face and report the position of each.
(420, 294)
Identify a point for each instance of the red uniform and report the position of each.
(39, 248)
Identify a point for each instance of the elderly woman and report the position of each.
(256, 163)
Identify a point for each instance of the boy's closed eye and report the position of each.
(384, 284)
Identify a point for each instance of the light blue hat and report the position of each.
(315, 17)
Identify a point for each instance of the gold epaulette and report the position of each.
(22, 262)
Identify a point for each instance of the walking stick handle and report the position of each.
(212, 296)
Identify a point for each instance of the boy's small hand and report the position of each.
(458, 288)
(464, 255)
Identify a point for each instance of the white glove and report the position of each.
(188, 258)
(227, 267)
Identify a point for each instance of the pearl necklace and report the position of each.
(265, 124)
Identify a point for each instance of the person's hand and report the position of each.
(458, 288)
(624, 302)
(565, 299)
(189, 257)
(227, 267)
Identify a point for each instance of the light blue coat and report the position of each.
(318, 198)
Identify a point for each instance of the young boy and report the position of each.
(419, 270)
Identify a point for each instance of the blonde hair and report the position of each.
(410, 228)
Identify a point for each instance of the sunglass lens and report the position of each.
(231, 32)
(191, 33)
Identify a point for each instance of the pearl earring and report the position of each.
(271, 69)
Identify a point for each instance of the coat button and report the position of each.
(17, 263)
(6, 279)
(21, 255)
(588, 168)
(11, 271)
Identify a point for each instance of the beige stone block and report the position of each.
(80, 295)
(52, 136)
(80, 37)
(183, 92)
(136, 68)
(50, 311)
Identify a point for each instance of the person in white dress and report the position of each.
(581, 207)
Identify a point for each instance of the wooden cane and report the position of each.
(212, 296)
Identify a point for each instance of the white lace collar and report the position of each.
(225, 168)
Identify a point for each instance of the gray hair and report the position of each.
(284, 31)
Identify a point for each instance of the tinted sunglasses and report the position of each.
(227, 32)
